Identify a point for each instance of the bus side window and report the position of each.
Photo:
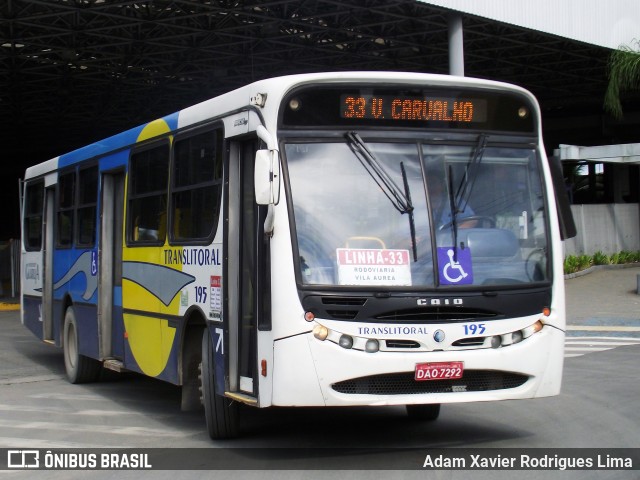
(66, 205)
(33, 210)
(196, 186)
(147, 195)
(87, 201)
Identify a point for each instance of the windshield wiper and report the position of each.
(412, 223)
(454, 214)
(458, 202)
(401, 200)
(471, 172)
(377, 172)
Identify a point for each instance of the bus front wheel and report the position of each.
(425, 413)
(220, 412)
(79, 368)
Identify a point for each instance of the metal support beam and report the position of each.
(456, 45)
(628, 153)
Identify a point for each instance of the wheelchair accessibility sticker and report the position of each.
(452, 270)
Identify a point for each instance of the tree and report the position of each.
(624, 74)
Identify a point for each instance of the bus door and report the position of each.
(244, 269)
(47, 281)
(110, 269)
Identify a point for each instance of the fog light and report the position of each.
(516, 337)
(372, 346)
(496, 341)
(345, 341)
(320, 332)
(537, 326)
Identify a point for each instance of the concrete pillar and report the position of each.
(456, 45)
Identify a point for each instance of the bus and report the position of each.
(328, 239)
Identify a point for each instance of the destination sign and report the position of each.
(389, 107)
(436, 107)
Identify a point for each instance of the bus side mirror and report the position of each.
(565, 216)
(266, 177)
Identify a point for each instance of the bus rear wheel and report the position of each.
(79, 368)
(220, 412)
(424, 413)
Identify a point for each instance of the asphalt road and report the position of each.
(598, 408)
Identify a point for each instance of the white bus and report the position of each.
(316, 240)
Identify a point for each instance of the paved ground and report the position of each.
(603, 311)
(603, 294)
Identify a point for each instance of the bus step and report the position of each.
(115, 365)
(241, 397)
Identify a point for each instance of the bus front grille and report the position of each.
(405, 384)
(436, 315)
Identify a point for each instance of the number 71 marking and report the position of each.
(220, 342)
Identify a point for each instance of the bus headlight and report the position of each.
(345, 341)
(372, 346)
(320, 332)
(516, 337)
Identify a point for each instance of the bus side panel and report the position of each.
(150, 325)
(159, 355)
(74, 278)
(170, 372)
(32, 314)
(117, 331)
(63, 275)
(31, 288)
(164, 358)
(86, 317)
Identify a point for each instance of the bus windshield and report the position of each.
(417, 214)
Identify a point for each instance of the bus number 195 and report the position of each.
(474, 329)
(201, 294)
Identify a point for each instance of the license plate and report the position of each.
(439, 371)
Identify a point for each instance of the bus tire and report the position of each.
(424, 413)
(79, 368)
(221, 413)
